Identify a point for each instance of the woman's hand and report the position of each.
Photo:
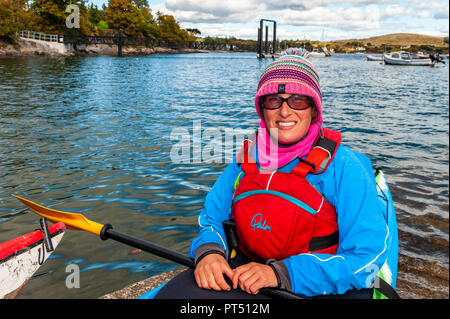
(254, 276)
(209, 272)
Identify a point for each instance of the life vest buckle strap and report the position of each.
(244, 159)
(313, 166)
(319, 243)
(324, 163)
(326, 144)
(243, 153)
(229, 226)
(320, 155)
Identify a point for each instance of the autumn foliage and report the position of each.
(132, 17)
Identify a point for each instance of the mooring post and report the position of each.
(266, 44)
(258, 50)
(260, 39)
(274, 46)
(263, 52)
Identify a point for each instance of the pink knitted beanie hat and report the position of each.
(291, 74)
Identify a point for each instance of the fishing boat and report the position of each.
(21, 257)
(406, 58)
(374, 57)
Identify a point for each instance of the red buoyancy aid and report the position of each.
(278, 214)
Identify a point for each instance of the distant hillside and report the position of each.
(400, 39)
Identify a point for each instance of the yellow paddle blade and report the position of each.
(72, 220)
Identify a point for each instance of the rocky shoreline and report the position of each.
(26, 48)
(135, 290)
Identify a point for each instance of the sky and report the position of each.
(324, 20)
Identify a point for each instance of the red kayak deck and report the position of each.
(21, 257)
(21, 244)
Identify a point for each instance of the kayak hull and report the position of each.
(22, 256)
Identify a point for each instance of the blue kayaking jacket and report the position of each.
(349, 185)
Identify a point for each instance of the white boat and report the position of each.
(374, 57)
(22, 256)
(325, 50)
(316, 54)
(422, 55)
(405, 58)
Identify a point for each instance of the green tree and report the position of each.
(149, 27)
(123, 14)
(169, 27)
(52, 16)
(141, 4)
(9, 19)
(15, 16)
(134, 17)
(95, 15)
(195, 32)
(425, 47)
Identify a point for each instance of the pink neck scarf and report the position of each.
(271, 156)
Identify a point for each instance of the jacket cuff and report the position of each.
(282, 274)
(206, 249)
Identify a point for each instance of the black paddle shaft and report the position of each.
(108, 232)
(172, 255)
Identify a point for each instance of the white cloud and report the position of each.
(223, 11)
(396, 10)
(215, 8)
(309, 4)
(441, 14)
(420, 4)
(443, 30)
(299, 18)
(355, 18)
(215, 11)
(424, 14)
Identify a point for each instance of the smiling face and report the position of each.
(292, 125)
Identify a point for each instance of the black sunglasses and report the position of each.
(295, 102)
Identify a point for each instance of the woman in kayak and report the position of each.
(307, 216)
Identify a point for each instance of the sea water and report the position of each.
(138, 142)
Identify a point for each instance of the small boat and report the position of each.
(374, 57)
(436, 58)
(405, 58)
(327, 53)
(422, 55)
(316, 54)
(268, 55)
(22, 256)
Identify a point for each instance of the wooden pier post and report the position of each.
(274, 44)
(260, 39)
(266, 44)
